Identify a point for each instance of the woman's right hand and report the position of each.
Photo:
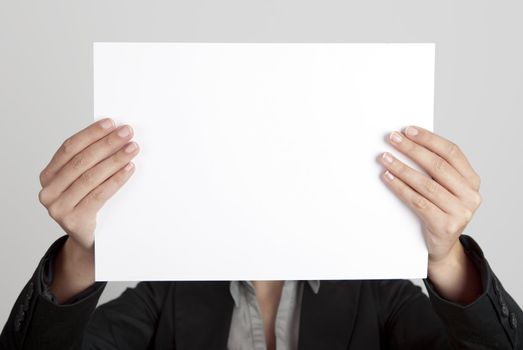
(87, 169)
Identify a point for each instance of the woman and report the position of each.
(468, 307)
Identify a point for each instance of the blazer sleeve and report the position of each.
(413, 321)
(38, 322)
(493, 321)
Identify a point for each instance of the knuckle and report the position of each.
(43, 176)
(87, 178)
(78, 161)
(55, 211)
(98, 195)
(420, 202)
(42, 196)
(438, 163)
(476, 181)
(109, 142)
(467, 215)
(431, 186)
(453, 150)
(402, 192)
(67, 146)
(477, 199)
(399, 167)
(119, 179)
(410, 148)
(118, 158)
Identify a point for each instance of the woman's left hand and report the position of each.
(445, 201)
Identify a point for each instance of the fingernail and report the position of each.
(389, 176)
(130, 147)
(129, 166)
(387, 157)
(395, 137)
(107, 123)
(411, 131)
(124, 131)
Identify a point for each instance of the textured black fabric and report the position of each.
(370, 315)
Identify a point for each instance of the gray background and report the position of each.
(46, 93)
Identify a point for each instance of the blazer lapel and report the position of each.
(327, 318)
(202, 315)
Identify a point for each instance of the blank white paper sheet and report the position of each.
(260, 160)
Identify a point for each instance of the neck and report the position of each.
(268, 290)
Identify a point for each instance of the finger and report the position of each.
(83, 161)
(427, 211)
(95, 200)
(445, 149)
(74, 144)
(93, 177)
(438, 168)
(422, 184)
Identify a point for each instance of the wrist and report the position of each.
(455, 277)
(73, 271)
(455, 259)
(77, 254)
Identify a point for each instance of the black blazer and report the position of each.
(354, 314)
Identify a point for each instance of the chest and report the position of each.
(202, 318)
(264, 323)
